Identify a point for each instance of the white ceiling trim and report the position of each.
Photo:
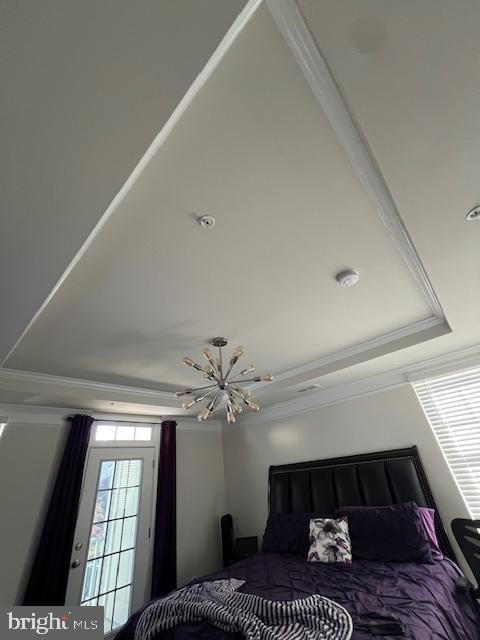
(350, 353)
(454, 361)
(457, 360)
(292, 26)
(41, 383)
(229, 38)
(37, 415)
(20, 414)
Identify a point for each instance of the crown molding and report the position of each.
(456, 360)
(56, 416)
(431, 367)
(28, 381)
(381, 345)
(21, 414)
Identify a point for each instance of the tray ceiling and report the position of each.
(258, 150)
(290, 213)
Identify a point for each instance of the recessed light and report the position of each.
(206, 221)
(348, 277)
(474, 214)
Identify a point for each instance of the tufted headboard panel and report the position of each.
(372, 479)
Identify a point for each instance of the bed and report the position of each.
(424, 598)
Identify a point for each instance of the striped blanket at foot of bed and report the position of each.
(222, 605)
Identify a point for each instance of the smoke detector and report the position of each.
(206, 221)
(348, 277)
(473, 214)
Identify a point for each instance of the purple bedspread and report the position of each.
(422, 597)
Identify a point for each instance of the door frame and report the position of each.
(118, 450)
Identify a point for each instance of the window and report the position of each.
(115, 432)
(452, 406)
(109, 570)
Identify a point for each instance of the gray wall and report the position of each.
(200, 502)
(384, 420)
(29, 458)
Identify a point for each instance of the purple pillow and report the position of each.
(288, 533)
(427, 516)
(389, 534)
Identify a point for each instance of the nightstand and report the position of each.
(245, 547)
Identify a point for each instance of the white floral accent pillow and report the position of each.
(329, 540)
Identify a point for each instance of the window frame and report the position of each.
(153, 442)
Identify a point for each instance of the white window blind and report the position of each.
(452, 406)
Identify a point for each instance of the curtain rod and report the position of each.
(144, 422)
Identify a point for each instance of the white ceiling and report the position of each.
(86, 86)
(256, 150)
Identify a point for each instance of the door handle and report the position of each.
(75, 564)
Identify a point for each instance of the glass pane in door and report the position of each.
(111, 553)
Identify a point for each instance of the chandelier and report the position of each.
(224, 383)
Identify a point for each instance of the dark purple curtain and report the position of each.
(49, 575)
(164, 574)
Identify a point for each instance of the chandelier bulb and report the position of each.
(209, 374)
(189, 404)
(235, 406)
(238, 351)
(252, 405)
(249, 369)
(183, 392)
(244, 393)
(204, 414)
(267, 378)
(191, 363)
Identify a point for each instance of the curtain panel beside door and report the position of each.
(164, 573)
(47, 584)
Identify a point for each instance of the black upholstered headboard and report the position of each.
(372, 479)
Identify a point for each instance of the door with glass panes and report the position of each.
(110, 557)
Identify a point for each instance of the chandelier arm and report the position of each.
(216, 370)
(233, 400)
(200, 398)
(212, 403)
(220, 361)
(208, 386)
(255, 379)
(212, 364)
(232, 364)
(230, 412)
(239, 395)
(206, 395)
